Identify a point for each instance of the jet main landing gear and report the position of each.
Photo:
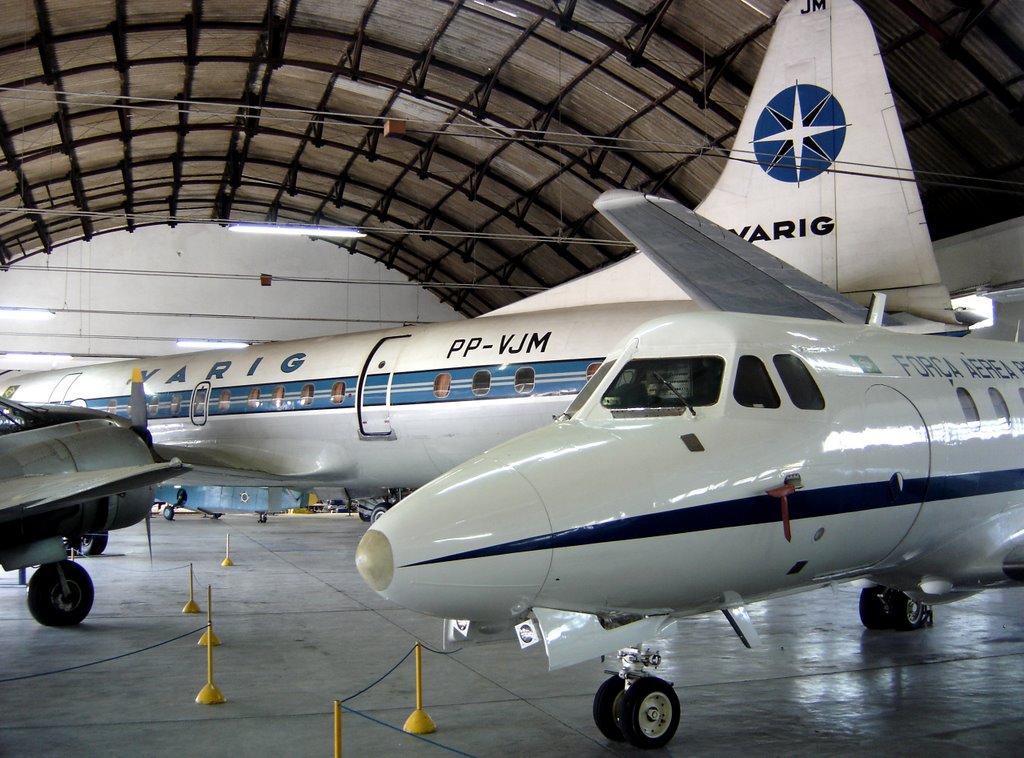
(886, 608)
(635, 706)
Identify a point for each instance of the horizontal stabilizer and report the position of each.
(32, 494)
(718, 269)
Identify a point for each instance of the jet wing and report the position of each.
(31, 494)
(718, 269)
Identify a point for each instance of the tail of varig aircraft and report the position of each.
(819, 176)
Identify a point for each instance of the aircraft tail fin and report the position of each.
(819, 174)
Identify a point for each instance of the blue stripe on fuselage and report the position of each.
(759, 509)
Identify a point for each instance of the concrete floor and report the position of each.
(300, 629)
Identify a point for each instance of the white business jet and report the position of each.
(717, 459)
(395, 408)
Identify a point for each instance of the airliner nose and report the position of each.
(474, 541)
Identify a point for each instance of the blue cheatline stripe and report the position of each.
(409, 388)
(759, 509)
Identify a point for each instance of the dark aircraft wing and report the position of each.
(32, 494)
(718, 269)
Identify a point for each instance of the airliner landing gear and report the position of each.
(635, 706)
(60, 594)
(886, 608)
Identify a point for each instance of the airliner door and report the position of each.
(373, 395)
(200, 402)
(60, 392)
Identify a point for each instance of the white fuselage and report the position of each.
(895, 478)
(388, 408)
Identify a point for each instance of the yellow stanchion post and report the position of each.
(191, 606)
(210, 694)
(419, 722)
(227, 553)
(209, 637)
(337, 729)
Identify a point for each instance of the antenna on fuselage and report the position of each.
(876, 309)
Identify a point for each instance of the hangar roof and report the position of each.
(467, 137)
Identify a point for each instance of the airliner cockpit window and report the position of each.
(665, 386)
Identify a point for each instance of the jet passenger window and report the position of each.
(999, 403)
(754, 388)
(968, 406)
(525, 380)
(224, 403)
(664, 386)
(278, 397)
(306, 396)
(254, 397)
(799, 383)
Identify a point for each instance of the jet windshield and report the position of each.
(665, 386)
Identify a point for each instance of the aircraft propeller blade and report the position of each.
(137, 408)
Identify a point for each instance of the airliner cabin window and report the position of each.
(525, 380)
(112, 406)
(224, 403)
(664, 386)
(278, 397)
(481, 382)
(799, 383)
(592, 369)
(442, 385)
(306, 395)
(999, 403)
(968, 406)
(175, 404)
(154, 405)
(254, 397)
(754, 388)
(338, 393)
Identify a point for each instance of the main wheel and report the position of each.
(608, 694)
(169, 512)
(649, 713)
(47, 601)
(874, 611)
(93, 544)
(376, 513)
(906, 614)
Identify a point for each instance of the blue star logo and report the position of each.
(799, 133)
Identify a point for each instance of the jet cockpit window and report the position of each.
(753, 387)
(799, 383)
(664, 386)
(594, 380)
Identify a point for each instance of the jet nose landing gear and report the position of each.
(633, 705)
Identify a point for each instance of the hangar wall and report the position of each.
(134, 294)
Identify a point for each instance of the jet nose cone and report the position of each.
(375, 560)
(474, 543)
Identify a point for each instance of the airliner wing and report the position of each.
(718, 269)
(33, 494)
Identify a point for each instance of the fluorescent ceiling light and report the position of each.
(310, 231)
(27, 314)
(37, 356)
(211, 344)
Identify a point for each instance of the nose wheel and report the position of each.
(635, 706)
